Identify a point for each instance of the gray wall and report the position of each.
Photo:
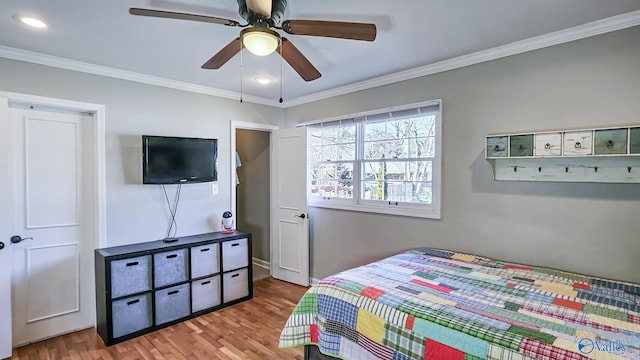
(252, 201)
(586, 228)
(136, 212)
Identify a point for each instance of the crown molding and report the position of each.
(73, 65)
(594, 28)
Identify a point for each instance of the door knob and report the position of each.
(302, 216)
(17, 238)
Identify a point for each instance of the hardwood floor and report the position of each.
(249, 330)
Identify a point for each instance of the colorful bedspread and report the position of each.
(435, 304)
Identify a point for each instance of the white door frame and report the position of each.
(99, 170)
(232, 173)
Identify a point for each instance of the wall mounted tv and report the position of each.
(178, 160)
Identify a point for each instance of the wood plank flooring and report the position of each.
(249, 330)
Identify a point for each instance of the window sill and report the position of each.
(377, 209)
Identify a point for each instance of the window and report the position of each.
(385, 161)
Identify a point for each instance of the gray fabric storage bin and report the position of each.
(170, 267)
(205, 293)
(172, 303)
(235, 285)
(131, 314)
(130, 276)
(235, 254)
(204, 260)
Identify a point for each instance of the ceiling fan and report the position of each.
(260, 38)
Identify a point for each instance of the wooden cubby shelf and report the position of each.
(146, 286)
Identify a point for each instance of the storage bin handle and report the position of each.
(172, 256)
(133, 263)
(203, 250)
(133, 302)
(236, 244)
(235, 275)
(173, 292)
(206, 282)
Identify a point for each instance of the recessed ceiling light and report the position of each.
(264, 80)
(31, 21)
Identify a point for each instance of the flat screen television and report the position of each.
(178, 160)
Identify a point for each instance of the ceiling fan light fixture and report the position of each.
(260, 41)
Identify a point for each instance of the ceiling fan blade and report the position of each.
(182, 16)
(298, 62)
(334, 29)
(224, 55)
(260, 7)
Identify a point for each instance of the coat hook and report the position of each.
(539, 168)
(515, 169)
(596, 169)
(629, 169)
(566, 169)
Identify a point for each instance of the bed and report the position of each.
(437, 304)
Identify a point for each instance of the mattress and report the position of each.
(437, 304)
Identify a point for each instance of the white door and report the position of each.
(289, 212)
(6, 223)
(53, 210)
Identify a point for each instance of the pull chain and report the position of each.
(281, 60)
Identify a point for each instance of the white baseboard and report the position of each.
(263, 264)
(267, 265)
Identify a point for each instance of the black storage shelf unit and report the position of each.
(143, 287)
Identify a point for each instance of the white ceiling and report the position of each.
(411, 34)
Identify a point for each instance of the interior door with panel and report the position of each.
(289, 211)
(6, 223)
(53, 222)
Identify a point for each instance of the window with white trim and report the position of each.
(385, 161)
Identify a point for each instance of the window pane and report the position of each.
(396, 149)
(374, 131)
(348, 152)
(419, 192)
(344, 171)
(422, 126)
(420, 171)
(394, 170)
(383, 190)
(315, 178)
(329, 135)
(315, 154)
(315, 137)
(394, 130)
(372, 170)
(327, 188)
(422, 147)
(372, 190)
(347, 134)
(345, 189)
(394, 191)
(331, 153)
(327, 171)
(373, 150)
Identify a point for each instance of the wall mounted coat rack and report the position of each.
(609, 155)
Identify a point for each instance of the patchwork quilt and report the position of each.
(435, 304)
